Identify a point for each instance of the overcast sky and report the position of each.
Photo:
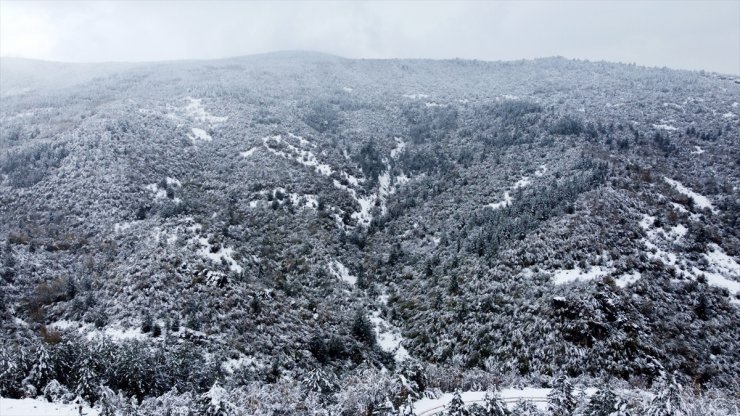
(689, 34)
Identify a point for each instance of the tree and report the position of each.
(561, 401)
(42, 371)
(87, 387)
(456, 407)
(362, 328)
(602, 403)
(667, 400)
(493, 405)
(215, 402)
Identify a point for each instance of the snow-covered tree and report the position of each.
(42, 371)
(87, 384)
(456, 406)
(602, 403)
(668, 400)
(493, 405)
(216, 402)
(561, 401)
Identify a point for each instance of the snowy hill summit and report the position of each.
(303, 234)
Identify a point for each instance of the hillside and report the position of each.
(298, 233)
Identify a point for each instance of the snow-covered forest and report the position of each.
(303, 234)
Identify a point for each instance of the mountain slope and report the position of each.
(324, 227)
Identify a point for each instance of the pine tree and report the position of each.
(494, 406)
(87, 384)
(525, 408)
(561, 401)
(362, 329)
(42, 371)
(215, 402)
(668, 400)
(456, 407)
(602, 403)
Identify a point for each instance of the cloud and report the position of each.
(691, 35)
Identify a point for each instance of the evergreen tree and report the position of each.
(494, 406)
(602, 403)
(363, 329)
(87, 384)
(42, 371)
(668, 400)
(456, 407)
(215, 402)
(561, 401)
(525, 408)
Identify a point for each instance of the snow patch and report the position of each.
(249, 152)
(522, 183)
(432, 406)
(698, 150)
(206, 251)
(40, 407)
(560, 277)
(342, 273)
(699, 200)
(416, 96)
(400, 148)
(389, 337)
(627, 279)
(666, 127)
(502, 204)
(195, 110)
(199, 134)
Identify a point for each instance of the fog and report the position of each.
(686, 35)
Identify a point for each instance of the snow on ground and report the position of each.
(347, 89)
(195, 110)
(627, 279)
(416, 96)
(728, 115)
(199, 134)
(560, 277)
(156, 191)
(521, 183)
(249, 152)
(304, 157)
(541, 171)
(115, 332)
(40, 407)
(501, 204)
(233, 364)
(341, 272)
(387, 185)
(173, 182)
(698, 150)
(120, 227)
(301, 140)
(400, 148)
(206, 251)
(721, 270)
(666, 127)
(510, 396)
(699, 200)
(389, 337)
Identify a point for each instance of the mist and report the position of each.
(684, 35)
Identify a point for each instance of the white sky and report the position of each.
(686, 34)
